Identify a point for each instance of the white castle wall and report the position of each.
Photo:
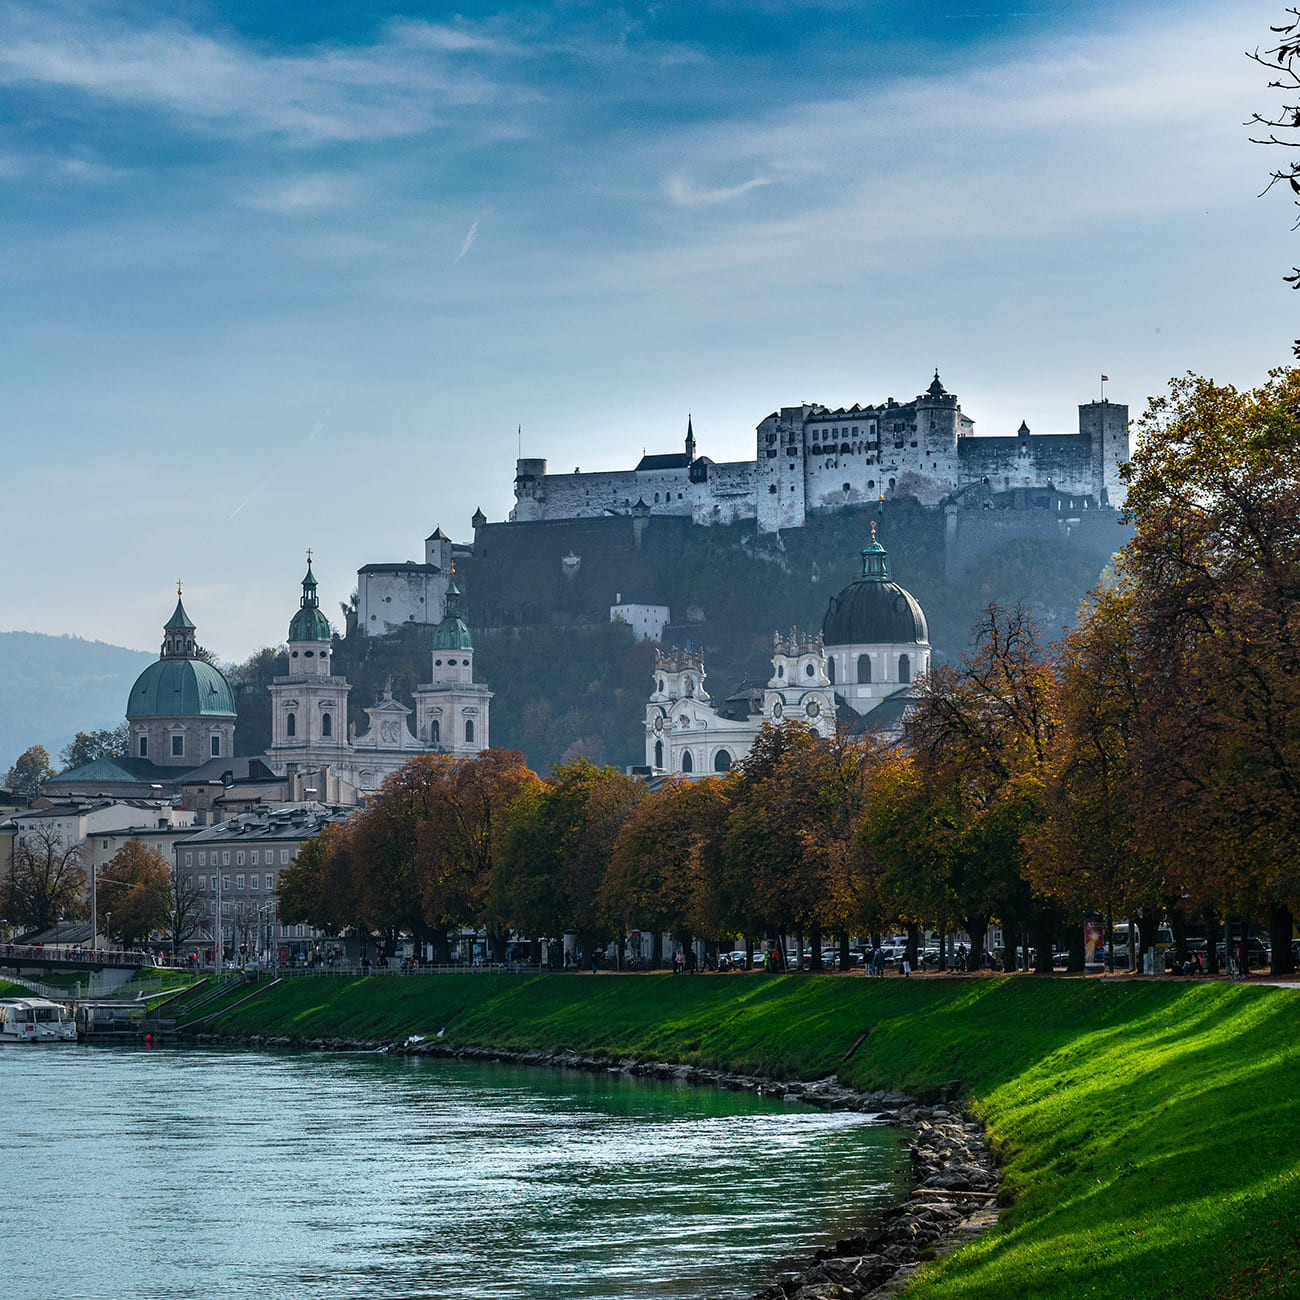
(809, 458)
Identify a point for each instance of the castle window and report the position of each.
(659, 753)
(326, 725)
(291, 725)
(144, 746)
(772, 489)
(656, 498)
(864, 669)
(904, 668)
(469, 731)
(435, 731)
(871, 482)
(688, 764)
(216, 746)
(722, 761)
(847, 487)
(178, 746)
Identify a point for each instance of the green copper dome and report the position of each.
(180, 688)
(452, 633)
(309, 624)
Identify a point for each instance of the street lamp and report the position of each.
(108, 921)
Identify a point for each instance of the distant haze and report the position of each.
(51, 687)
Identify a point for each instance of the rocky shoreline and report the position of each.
(954, 1199)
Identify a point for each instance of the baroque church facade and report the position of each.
(309, 704)
(855, 676)
(811, 458)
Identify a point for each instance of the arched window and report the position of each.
(690, 686)
(688, 764)
(216, 746)
(809, 670)
(435, 731)
(904, 668)
(830, 671)
(326, 725)
(661, 686)
(144, 746)
(291, 725)
(722, 763)
(469, 731)
(659, 753)
(864, 669)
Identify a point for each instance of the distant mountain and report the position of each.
(51, 687)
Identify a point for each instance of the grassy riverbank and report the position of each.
(1148, 1128)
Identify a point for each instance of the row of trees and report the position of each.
(1148, 764)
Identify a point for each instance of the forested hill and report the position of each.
(51, 687)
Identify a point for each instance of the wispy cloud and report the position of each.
(301, 195)
(468, 242)
(686, 194)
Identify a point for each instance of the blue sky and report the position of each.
(284, 275)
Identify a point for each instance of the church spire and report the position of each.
(690, 439)
(309, 624)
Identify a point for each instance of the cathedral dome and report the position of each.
(180, 688)
(309, 624)
(872, 610)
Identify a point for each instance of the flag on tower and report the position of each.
(1105, 379)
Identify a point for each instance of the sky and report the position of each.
(278, 276)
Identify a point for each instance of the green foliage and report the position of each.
(87, 746)
(30, 772)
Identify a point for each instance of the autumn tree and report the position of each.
(1085, 852)
(790, 828)
(982, 734)
(557, 848)
(87, 746)
(187, 910)
(47, 880)
(320, 886)
(135, 886)
(459, 842)
(653, 881)
(31, 770)
(1214, 494)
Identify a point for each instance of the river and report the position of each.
(217, 1174)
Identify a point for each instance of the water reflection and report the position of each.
(230, 1174)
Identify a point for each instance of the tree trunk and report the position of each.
(943, 945)
(1078, 950)
(1211, 946)
(749, 952)
(845, 959)
(1279, 937)
(977, 927)
(1147, 938)
(657, 950)
(815, 955)
(913, 942)
(1178, 924)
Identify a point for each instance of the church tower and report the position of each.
(309, 706)
(451, 711)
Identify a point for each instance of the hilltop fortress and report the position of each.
(809, 458)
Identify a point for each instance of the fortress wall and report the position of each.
(388, 598)
(973, 534)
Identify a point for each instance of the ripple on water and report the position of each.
(220, 1174)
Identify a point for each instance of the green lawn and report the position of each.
(1148, 1128)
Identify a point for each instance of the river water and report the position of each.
(218, 1174)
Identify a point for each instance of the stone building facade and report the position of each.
(811, 458)
(393, 596)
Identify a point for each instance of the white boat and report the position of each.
(35, 1020)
